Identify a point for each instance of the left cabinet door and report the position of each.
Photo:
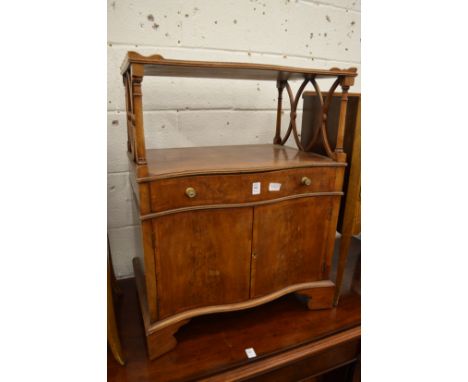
(202, 258)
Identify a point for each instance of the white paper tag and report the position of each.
(256, 188)
(250, 353)
(274, 187)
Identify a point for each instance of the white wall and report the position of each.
(189, 112)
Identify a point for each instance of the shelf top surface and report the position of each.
(186, 161)
(156, 65)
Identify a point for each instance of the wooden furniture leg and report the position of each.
(162, 341)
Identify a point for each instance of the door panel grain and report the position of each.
(290, 242)
(202, 258)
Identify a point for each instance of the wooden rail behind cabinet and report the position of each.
(349, 222)
(136, 66)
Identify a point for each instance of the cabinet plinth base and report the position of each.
(160, 341)
(318, 298)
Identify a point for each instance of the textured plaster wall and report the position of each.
(191, 112)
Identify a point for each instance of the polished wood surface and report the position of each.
(167, 194)
(292, 252)
(176, 162)
(157, 65)
(203, 259)
(291, 343)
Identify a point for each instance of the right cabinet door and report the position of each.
(292, 243)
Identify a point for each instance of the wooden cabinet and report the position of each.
(231, 227)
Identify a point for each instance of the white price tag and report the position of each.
(250, 353)
(274, 187)
(256, 188)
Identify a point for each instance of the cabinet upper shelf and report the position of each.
(186, 161)
(156, 65)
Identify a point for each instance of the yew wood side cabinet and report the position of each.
(232, 227)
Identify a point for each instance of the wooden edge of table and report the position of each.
(157, 59)
(239, 170)
(261, 366)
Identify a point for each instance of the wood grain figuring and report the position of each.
(204, 259)
(157, 65)
(237, 188)
(176, 162)
(290, 252)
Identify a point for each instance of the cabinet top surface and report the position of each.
(156, 65)
(164, 163)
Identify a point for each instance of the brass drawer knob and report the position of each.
(190, 192)
(306, 181)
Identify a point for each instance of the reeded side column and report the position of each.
(345, 83)
(137, 72)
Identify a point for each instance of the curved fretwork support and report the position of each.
(325, 106)
(294, 101)
(336, 154)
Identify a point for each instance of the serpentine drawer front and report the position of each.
(189, 191)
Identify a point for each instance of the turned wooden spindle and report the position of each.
(345, 83)
(137, 77)
(129, 108)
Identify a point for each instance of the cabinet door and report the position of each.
(202, 258)
(291, 242)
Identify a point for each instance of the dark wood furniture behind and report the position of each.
(113, 338)
(232, 227)
(349, 220)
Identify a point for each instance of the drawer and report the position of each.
(199, 190)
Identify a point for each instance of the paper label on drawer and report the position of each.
(274, 187)
(256, 188)
(250, 353)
